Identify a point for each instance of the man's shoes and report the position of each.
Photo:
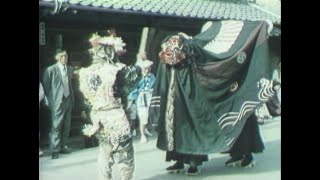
(234, 161)
(193, 171)
(247, 161)
(55, 155)
(65, 150)
(176, 168)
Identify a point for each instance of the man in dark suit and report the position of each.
(57, 84)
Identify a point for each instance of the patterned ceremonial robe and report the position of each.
(109, 121)
(96, 83)
(202, 103)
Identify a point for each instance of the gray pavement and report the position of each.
(150, 162)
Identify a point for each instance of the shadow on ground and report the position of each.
(265, 162)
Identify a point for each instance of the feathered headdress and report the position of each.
(106, 47)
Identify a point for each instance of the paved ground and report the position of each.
(150, 164)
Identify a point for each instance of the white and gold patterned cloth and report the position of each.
(108, 117)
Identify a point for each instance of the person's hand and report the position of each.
(84, 115)
(90, 129)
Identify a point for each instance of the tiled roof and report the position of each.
(273, 6)
(201, 9)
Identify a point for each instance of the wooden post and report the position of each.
(143, 43)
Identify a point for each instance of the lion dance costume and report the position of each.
(109, 122)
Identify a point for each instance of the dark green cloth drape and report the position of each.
(208, 117)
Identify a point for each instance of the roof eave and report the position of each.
(109, 10)
(152, 14)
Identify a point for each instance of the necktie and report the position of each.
(65, 69)
(65, 82)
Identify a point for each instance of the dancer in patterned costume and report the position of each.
(207, 90)
(109, 122)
